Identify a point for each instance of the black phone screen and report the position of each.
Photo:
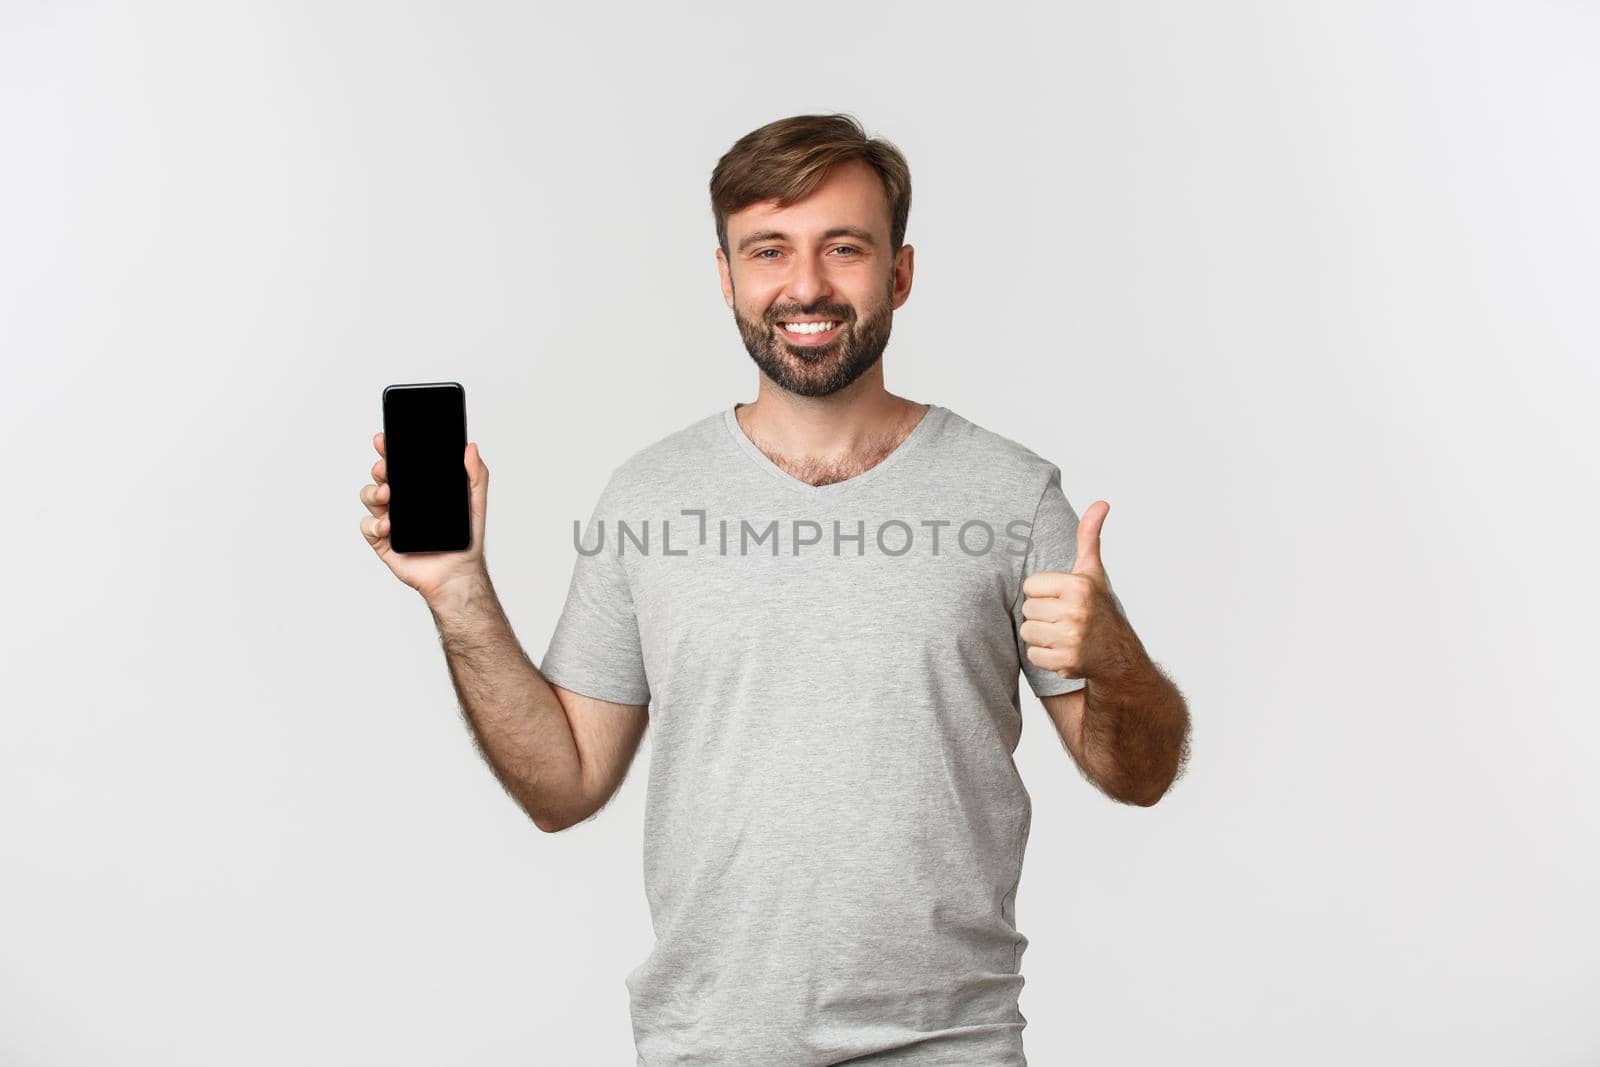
(425, 444)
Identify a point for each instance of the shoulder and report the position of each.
(989, 455)
(666, 458)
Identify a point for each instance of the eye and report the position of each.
(762, 254)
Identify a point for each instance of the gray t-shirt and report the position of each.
(834, 825)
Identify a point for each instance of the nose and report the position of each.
(808, 282)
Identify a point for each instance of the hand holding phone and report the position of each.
(429, 493)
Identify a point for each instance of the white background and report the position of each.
(1307, 292)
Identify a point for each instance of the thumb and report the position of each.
(477, 480)
(1088, 561)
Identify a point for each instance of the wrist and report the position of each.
(1125, 668)
(456, 593)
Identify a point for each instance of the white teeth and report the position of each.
(809, 327)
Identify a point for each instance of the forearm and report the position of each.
(1135, 732)
(518, 722)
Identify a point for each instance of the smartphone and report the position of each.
(424, 447)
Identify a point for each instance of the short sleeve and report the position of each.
(595, 649)
(1052, 546)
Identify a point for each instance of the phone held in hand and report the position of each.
(424, 446)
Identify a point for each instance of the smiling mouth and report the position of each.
(808, 334)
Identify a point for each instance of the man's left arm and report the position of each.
(1128, 727)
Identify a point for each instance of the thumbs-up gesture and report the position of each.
(1072, 626)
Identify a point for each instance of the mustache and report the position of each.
(835, 314)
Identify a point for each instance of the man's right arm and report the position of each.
(561, 755)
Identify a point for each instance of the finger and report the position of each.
(1050, 659)
(380, 471)
(1088, 561)
(376, 498)
(1046, 584)
(1037, 633)
(477, 481)
(377, 442)
(1044, 608)
(375, 528)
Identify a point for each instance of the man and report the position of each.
(822, 600)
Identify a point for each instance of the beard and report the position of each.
(818, 370)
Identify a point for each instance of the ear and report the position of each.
(903, 267)
(727, 277)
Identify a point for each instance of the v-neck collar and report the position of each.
(920, 432)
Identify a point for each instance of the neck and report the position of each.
(829, 438)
